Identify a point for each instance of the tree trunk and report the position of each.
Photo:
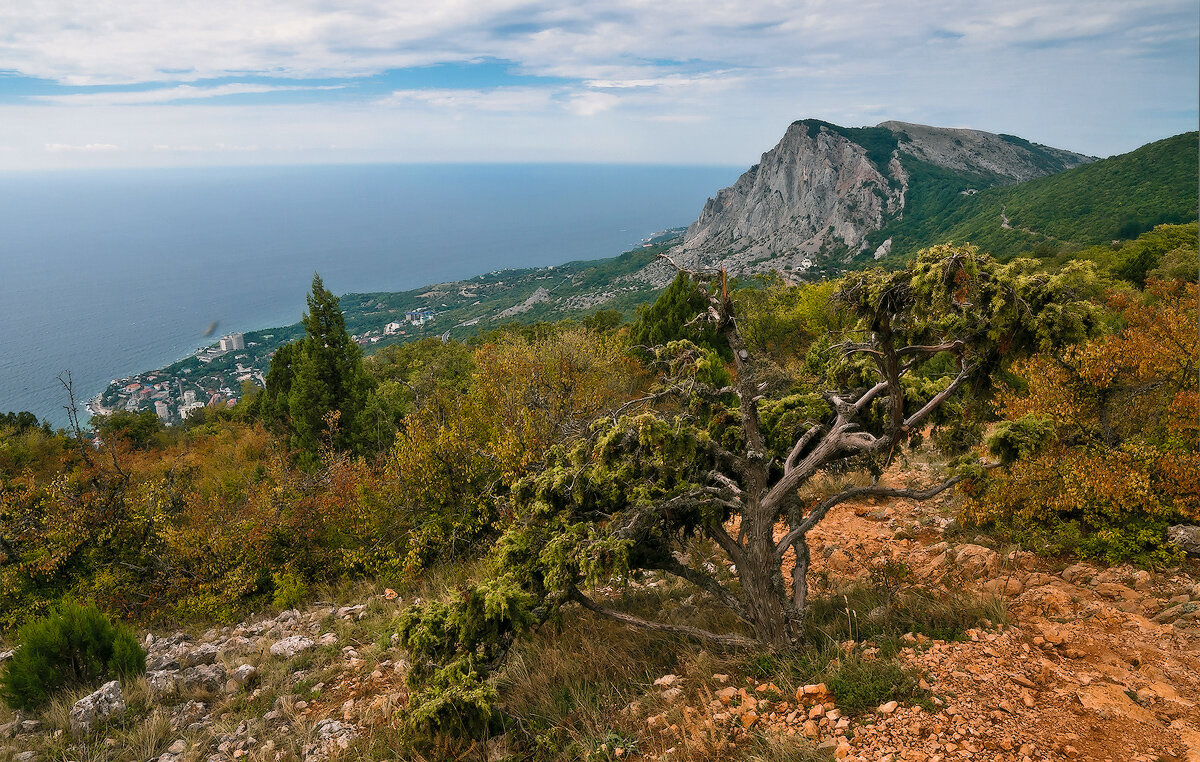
(800, 577)
(762, 584)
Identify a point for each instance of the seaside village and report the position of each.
(213, 376)
(216, 375)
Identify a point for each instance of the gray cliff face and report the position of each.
(1010, 159)
(816, 189)
(817, 195)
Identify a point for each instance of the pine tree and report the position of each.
(316, 387)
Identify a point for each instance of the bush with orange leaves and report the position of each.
(217, 518)
(200, 528)
(1119, 460)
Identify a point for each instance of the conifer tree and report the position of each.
(672, 317)
(273, 405)
(316, 387)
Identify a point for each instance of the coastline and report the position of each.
(215, 376)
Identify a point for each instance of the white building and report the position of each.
(161, 408)
(189, 396)
(189, 408)
(233, 342)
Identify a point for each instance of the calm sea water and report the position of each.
(107, 273)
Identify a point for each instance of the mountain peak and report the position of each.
(816, 197)
(1007, 157)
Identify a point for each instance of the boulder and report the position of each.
(204, 677)
(188, 715)
(203, 654)
(174, 753)
(1186, 537)
(1078, 573)
(332, 734)
(241, 677)
(95, 708)
(1111, 702)
(1114, 591)
(162, 682)
(977, 559)
(289, 647)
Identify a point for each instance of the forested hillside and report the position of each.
(1112, 199)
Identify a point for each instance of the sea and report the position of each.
(106, 273)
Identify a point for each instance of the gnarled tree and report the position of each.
(706, 458)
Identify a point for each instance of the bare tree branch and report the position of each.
(731, 641)
(727, 543)
(819, 512)
(871, 394)
(932, 349)
(704, 582)
(937, 400)
(801, 443)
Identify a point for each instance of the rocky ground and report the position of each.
(1092, 664)
(293, 686)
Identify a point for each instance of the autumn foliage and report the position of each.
(1122, 461)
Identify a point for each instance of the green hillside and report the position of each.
(1116, 198)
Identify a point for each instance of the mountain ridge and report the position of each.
(818, 195)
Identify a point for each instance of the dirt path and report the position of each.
(1095, 664)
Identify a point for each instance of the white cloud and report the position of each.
(590, 103)
(169, 94)
(497, 99)
(85, 148)
(128, 41)
(673, 80)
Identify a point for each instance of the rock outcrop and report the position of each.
(816, 197)
(975, 152)
(814, 191)
(95, 708)
(1186, 537)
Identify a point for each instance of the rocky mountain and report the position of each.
(817, 197)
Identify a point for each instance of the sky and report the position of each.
(149, 83)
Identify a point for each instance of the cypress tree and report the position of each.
(318, 375)
(273, 405)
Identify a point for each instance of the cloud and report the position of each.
(682, 80)
(90, 42)
(496, 99)
(170, 94)
(86, 148)
(590, 103)
(525, 100)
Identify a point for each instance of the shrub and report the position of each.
(74, 645)
(861, 684)
(290, 589)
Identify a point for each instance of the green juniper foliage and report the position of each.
(655, 486)
(73, 646)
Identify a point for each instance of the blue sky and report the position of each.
(96, 83)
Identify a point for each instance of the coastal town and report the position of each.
(217, 375)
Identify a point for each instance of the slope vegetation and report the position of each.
(1116, 198)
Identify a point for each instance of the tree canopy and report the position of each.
(316, 388)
